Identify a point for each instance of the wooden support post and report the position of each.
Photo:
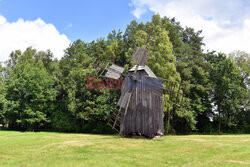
(116, 118)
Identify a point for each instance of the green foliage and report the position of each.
(30, 93)
(242, 60)
(81, 105)
(162, 60)
(227, 95)
(191, 64)
(3, 101)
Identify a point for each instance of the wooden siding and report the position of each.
(145, 110)
(114, 72)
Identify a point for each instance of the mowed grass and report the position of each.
(62, 149)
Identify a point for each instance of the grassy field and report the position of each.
(62, 149)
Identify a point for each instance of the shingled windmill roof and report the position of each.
(146, 69)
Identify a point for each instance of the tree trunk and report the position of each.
(219, 130)
(168, 124)
(219, 126)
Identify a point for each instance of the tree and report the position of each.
(3, 101)
(190, 62)
(227, 91)
(30, 93)
(242, 60)
(194, 70)
(80, 106)
(162, 60)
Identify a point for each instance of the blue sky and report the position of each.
(87, 20)
(54, 24)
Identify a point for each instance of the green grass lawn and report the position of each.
(62, 149)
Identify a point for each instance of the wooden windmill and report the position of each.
(140, 109)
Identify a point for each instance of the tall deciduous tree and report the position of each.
(194, 70)
(3, 101)
(82, 107)
(242, 60)
(227, 91)
(162, 60)
(30, 93)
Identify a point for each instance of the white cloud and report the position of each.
(38, 34)
(225, 23)
(138, 12)
(68, 26)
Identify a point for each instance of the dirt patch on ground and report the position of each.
(118, 146)
(3, 137)
(239, 162)
(76, 136)
(74, 143)
(195, 139)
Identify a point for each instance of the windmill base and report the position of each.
(141, 135)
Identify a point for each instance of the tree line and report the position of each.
(39, 92)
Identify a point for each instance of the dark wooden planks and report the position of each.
(145, 112)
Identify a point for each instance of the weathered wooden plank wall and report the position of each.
(145, 111)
